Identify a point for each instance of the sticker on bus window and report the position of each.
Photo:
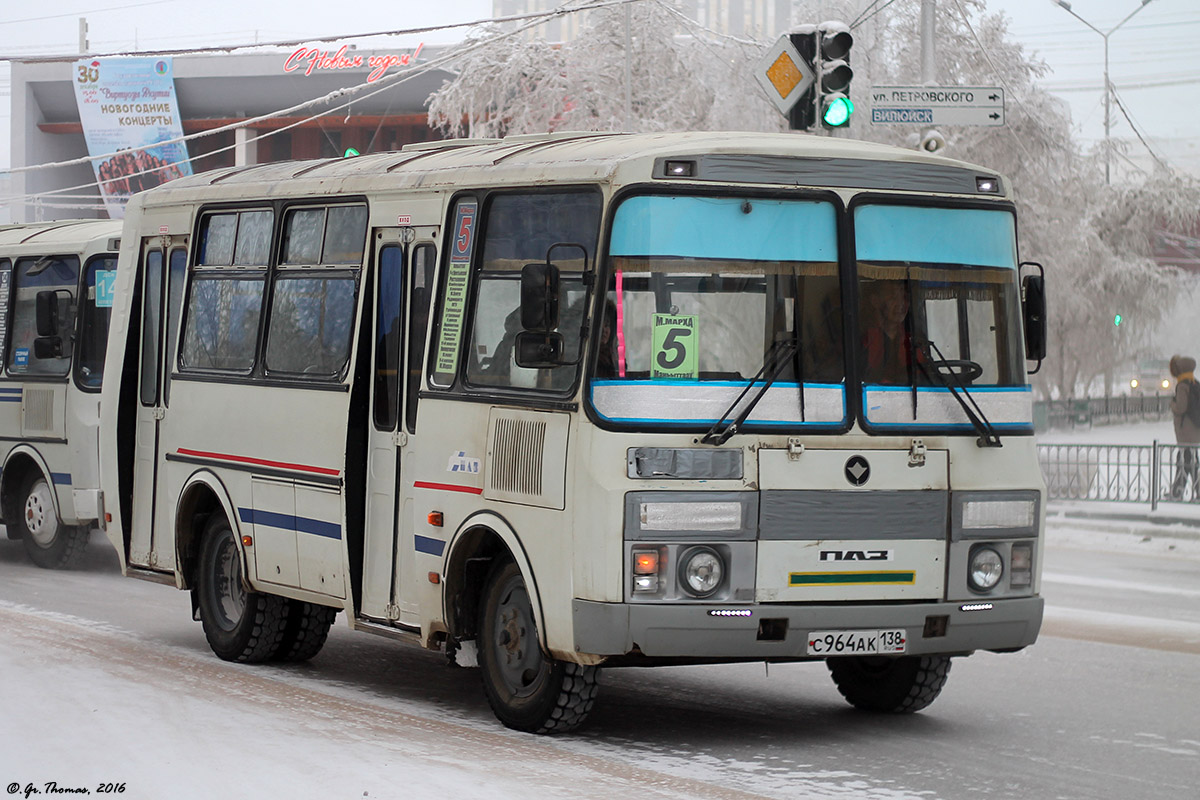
(674, 352)
(454, 304)
(21, 357)
(106, 282)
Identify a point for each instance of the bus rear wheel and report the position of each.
(305, 632)
(527, 690)
(50, 543)
(890, 685)
(240, 625)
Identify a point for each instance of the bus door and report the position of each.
(164, 266)
(405, 260)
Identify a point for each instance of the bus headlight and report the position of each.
(701, 571)
(1010, 514)
(985, 570)
(993, 514)
(694, 516)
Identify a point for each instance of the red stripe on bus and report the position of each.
(447, 487)
(259, 462)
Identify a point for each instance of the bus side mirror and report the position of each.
(1033, 307)
(539, 297)
(535, 350)
(48, 347)
(46, 312)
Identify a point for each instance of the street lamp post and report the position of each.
(1107, 86)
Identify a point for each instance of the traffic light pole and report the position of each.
(928, 53)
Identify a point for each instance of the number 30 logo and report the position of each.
(88, 73)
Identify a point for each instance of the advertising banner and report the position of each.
(126, 106)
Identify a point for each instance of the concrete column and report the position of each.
(245, 150)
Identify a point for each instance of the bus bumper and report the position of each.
(782, 631)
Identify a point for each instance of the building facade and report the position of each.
(215, 92)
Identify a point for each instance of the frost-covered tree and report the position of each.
(682, 78)
(1093, 239)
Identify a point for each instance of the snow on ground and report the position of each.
(164, 722)
(1125, 433)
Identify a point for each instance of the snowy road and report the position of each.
(106, 680)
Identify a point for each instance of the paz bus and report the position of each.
(56, 283)
(558, 403)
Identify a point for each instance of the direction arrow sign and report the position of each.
(937, 105)
(784, 74)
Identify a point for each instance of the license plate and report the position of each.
(857, 643)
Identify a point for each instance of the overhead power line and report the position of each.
(534, 15)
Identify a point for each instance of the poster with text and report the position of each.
(127, 106)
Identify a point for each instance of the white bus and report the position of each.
(573, 401)
(56, 283)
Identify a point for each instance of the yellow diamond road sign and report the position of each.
(784, 74)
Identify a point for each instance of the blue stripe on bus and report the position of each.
(10, 389)
(287, 522)
(61, 478)
(434, 547)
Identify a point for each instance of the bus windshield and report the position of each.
(709, 295)
(938, 308)
(699, 290)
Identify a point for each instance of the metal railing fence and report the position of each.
(1125, 473)
(1050, 414)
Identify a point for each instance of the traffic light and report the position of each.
(827, 48)
(834, 74)
(1118, 319)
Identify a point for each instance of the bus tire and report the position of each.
(890, 685)
(527, 690)
(240, 625)
(50, 543)
(306, 630)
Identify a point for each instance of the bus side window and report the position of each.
(312, 304)
(519, 229)
(424, 260)
(151, 327)
(176, 277)
(389, 304)
(5, 305)
(220, 329)
(93, 323)
(58, 276)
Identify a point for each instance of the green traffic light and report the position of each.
(1117, 319)
(837, 111)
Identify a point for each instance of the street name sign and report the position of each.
(937, 105)
(784, 74)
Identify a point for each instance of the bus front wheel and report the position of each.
(240, 625)
(890, 685)
(50, 543)
(527, 690)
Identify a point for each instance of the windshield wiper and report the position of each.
(774, 362)
(988, 437)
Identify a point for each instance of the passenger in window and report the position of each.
(887, 344)
(606, 358)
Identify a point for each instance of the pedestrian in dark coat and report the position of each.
(1187, 432)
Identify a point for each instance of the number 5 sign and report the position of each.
(674, 339)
